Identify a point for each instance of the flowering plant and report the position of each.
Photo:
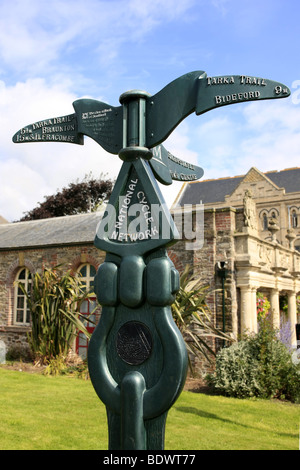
(262, 305)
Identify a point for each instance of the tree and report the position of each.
(76, 198)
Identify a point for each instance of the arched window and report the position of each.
(21, 310)
(87, 273)
(294, 217)
(265, 221)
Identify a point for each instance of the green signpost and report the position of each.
(137, 357)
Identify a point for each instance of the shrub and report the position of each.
(260, 365)
(54, 301)
(19, 352)
(236, 371)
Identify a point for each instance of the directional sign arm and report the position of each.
(160, 165)
(101, 122)
(58, 129)
(197, 92)
(183, 171)
(170, 106)
(166, 167)
(214, 92)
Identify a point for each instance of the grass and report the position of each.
(62, 413)
(220, 423)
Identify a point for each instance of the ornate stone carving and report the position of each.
(250, 219)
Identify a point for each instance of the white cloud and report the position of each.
(221, 5)
(263, 134)
(30, 171)
(19, 188)
(274, 140)
(38, 38)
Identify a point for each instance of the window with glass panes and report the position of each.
(87, 308)
(265, 221)
(294, 219)
(21, 310)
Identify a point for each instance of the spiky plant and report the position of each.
(53, 301)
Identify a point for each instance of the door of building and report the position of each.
(87, 309)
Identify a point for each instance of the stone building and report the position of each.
(26, 247)
(251, 244)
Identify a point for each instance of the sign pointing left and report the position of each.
(58, 129)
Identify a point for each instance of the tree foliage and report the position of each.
(76, 198)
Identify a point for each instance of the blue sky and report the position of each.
(52, 53)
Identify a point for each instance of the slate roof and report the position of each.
(210, 191)
(73, 229)
(288, 179)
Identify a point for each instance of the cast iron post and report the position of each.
(137, 357)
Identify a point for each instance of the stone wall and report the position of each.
(218, 252)
(219, 226)
(34, 259)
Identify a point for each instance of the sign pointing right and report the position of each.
(214, 92)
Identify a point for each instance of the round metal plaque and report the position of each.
(134, 342)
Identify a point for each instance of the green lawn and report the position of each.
(56, 413)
